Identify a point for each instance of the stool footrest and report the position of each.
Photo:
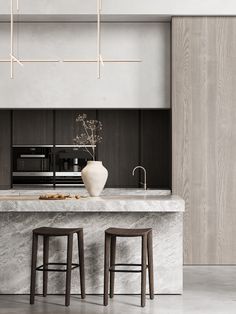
(44, 267)
(114, 270)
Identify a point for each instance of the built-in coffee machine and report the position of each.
(52, 165)
(69, 161)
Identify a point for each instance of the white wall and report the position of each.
(64, 85)
(169, 7)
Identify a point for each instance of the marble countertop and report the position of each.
(111, 200)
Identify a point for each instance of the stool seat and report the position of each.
(123, 232)
(49, 231)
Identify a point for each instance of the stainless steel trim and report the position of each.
(29, 186)
(70, 184)
(76, 146)
(68, 174)
(32, 156)
(32, 174)
(32, 145)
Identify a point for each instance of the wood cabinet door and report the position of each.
(66, 127)
(5, 149)
(32, 127)
(204, 135)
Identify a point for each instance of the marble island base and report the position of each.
(15, 249)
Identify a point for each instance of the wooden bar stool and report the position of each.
(47, 232)
(110, 266)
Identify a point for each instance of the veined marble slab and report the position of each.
(18, 218)
(112, 200)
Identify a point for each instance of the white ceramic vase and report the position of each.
(94, 176)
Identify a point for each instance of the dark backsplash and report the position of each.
(130, 138)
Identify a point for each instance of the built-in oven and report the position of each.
(52, 165)
(33, 165)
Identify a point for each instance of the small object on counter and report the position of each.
(57, 196)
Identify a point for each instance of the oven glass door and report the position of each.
(33, 165)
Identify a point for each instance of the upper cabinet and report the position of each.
(32, 127)
(66, 127)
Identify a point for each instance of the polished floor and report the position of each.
(207, 290)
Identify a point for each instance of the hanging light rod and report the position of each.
(99, 59)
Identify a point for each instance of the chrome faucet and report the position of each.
(145, 176)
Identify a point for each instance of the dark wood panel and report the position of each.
(119, 149)
(155, 150)
(32, 127)
(5, 149)
(66, 127)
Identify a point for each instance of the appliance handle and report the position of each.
(32, 156)
(32, 174)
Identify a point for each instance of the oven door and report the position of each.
(33, 165)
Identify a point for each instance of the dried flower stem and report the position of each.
(90, 136)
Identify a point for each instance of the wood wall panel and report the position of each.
(155, 147)
(66, 127)
(204, 135)
(5, 149)
(119, 149)
(32, 127)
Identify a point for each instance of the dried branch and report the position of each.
(90, 135)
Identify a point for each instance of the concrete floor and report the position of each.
(207, 290)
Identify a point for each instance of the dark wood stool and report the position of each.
(110, 265)
(47, 232)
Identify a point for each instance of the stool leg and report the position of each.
(150, 265)
(81, 262)
(45, 264)
(106, 268)
(143, 274)
(68, 268)
(33, 267)
(113, 260)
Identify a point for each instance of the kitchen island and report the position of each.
(21, 211)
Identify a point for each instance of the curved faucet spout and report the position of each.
(145, 176)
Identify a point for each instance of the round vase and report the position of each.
(94, 176)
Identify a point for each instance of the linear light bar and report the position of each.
(103, 60)
(21, 61)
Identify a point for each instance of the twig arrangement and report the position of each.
(90, 134)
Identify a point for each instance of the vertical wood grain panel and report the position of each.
(119, 149)
(5, 149)
(204, 135)
(155, 147)
(32, 127)
(66, 127)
